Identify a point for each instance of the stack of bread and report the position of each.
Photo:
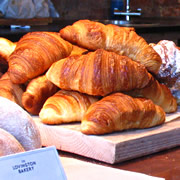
(103, 76)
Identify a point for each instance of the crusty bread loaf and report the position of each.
(20, 124)
(9, 144)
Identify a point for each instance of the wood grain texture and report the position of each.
(115, 147)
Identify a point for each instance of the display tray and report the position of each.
(115, 147)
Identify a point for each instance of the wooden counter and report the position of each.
(165, 164)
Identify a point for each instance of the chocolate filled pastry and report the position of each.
(169, 73)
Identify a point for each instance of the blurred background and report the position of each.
(100, 9)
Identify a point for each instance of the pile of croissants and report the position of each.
(103, 76)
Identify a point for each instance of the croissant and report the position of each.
(78, 50)
(65, 107)
(118, 112)
(37, 92)
(122, 40)
(10, 90)
(159, 93)
(6, 48)
(98, 73)
(34, 54)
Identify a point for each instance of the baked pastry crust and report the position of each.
(159, 93)
(34, 54)
(118, 112)
(65, 107)
(10, 90)
(36, 93)
(98, 73)
(122, 40)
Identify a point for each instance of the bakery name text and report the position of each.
(24, 166)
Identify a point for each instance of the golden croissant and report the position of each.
(34, 54)
(76, 50)
(6, 48)
(98, 73)
(65, 107)
(10, 90)
(122, 40)
(37, 92)
(118, 112)
(159, 93)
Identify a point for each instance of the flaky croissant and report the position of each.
(6, 48)
(65, 107)
(37, 92)
(76, 50)
(159, 93)
(118, 112)
(122, 40)
(34, 54)
(98, 73)
(10, 90)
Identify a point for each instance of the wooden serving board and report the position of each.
(115, 147)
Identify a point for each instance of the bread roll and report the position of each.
(20, 124)
(9, 144)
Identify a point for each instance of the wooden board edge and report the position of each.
(154, 140)
(82, 144)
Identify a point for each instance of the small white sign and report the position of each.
(43, 163)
